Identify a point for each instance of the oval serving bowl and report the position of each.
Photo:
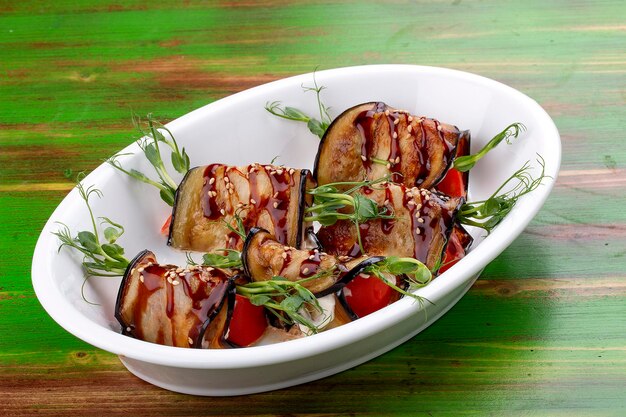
(237, 130)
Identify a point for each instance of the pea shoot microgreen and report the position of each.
(316, 126)
(465, 163)
(149, 144)
(329, 203)
(283, 298)
(102, 257)
(487, 214)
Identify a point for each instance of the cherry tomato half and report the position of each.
(247, 323)
(454, 253)
(165, 229)
(366, 294)
(453, 184)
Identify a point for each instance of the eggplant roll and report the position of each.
(173, 306)
(263, 258)
(420, 228)
(372, 140)
(267, 196)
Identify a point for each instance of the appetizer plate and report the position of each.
(238, 130)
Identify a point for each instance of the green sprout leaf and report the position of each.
(465, 163)
(150, 145)
(487, 214)
(99, 259)
(317, 126)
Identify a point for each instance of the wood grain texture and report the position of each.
(543, 332)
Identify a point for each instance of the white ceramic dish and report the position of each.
(237, 130)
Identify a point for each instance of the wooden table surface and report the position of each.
(542, 332)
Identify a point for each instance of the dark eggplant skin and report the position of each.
(350, 275)
(144, 254)
(173, 306)
(422, 159)
(246, 248)
(261, 195)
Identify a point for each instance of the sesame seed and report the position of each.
(420, 220)
(410, 118)
(275, 194)
(212, 181)
(286, 248)
(284, 255)
(411, 203)
(275, 204)
(141, 269)
(252, 201)
(179, 270)
(396, 121)
(386, 112)
(231, 191)
(386, 202)
(209, 268)
(223, 212)
(418, 207)
(395, 135)
(175, 282)
(181, 274)
(409, 128)
(190, 340)
(132, 271)
(397, 159)
(272, 172)
(363, 158)
(239, 205)
(128, 329)
(311, 257)
(418, 231)
(305, 271)
(388, 166)
(316, 250)
(226, 179)
(141, 278)
(291, 171)
(169, 279)
(268, 167)
(279, 171)
(439, 128)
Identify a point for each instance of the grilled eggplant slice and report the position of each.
(263, 258)
(173, 306)
(420, 228)
(210, 197)
(372, 140)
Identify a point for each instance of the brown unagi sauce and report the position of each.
(421, 149)
(310, 266)
(387, 224)
(209, 204)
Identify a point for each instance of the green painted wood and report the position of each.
(543, 332)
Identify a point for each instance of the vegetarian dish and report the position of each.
(288, 252)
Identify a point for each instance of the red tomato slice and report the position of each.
(165, 229)
(367, 294)
(452, 184)
(454, 253)
(247, 323)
